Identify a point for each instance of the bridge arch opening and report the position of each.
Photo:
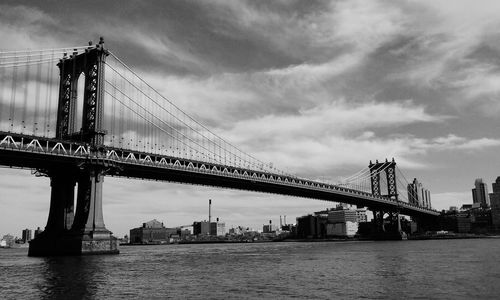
(80, 92)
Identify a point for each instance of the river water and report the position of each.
(439, 269)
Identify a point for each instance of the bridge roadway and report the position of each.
(41, 153)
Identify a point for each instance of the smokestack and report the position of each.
(285, 220)
(209, 211)
(281, 224)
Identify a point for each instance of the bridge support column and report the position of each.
(389, 231)
(378, 218)
(89, 220)
(70, 234)
(61, 213)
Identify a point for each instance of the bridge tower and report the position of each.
(389, 168)
(81, 232)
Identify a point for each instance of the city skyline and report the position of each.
(304, 86)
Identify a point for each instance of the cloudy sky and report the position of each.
(319, 88)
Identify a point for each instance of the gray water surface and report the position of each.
(440, 269)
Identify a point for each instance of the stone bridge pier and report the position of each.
(387, 228)
(70, 232)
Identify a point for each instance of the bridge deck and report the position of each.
(23, 151)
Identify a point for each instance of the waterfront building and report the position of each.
(463, 222)
(347, 229)
(342, 222)
(341, 215)
(270, 228)
(480, 220)
(238, 230)
(480, 193)
(217, 228)
(311, 226)
(26, 235)
(361, 216)
(37, 232)
(495, 204)
(418, 195)
(201, 228)
(184, 233)
(152, 232)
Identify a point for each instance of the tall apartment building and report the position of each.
(495, 204)
(26, 235)
(418, 195)
(480, 193)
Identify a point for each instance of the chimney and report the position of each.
(209, 211)
(281, 224)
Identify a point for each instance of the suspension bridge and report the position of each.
(79, 114)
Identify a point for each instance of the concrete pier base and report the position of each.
(54, 244)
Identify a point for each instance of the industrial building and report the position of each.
(152, 232)
(217, 228)
(201, 228)
(311, 226)
(338, 222)
(341, 215)
(209, 228)
(342, 222)
(347, 229)
(270, 228)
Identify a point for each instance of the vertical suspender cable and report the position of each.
(46, 106)
(25, 94)
(49, 88)
(13, 97)
(3, 105)
(122, 118)
(37, 96)
(113, 112)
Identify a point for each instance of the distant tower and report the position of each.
(209, 211)
(480, 193)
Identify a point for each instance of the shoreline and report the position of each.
(329, 240)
